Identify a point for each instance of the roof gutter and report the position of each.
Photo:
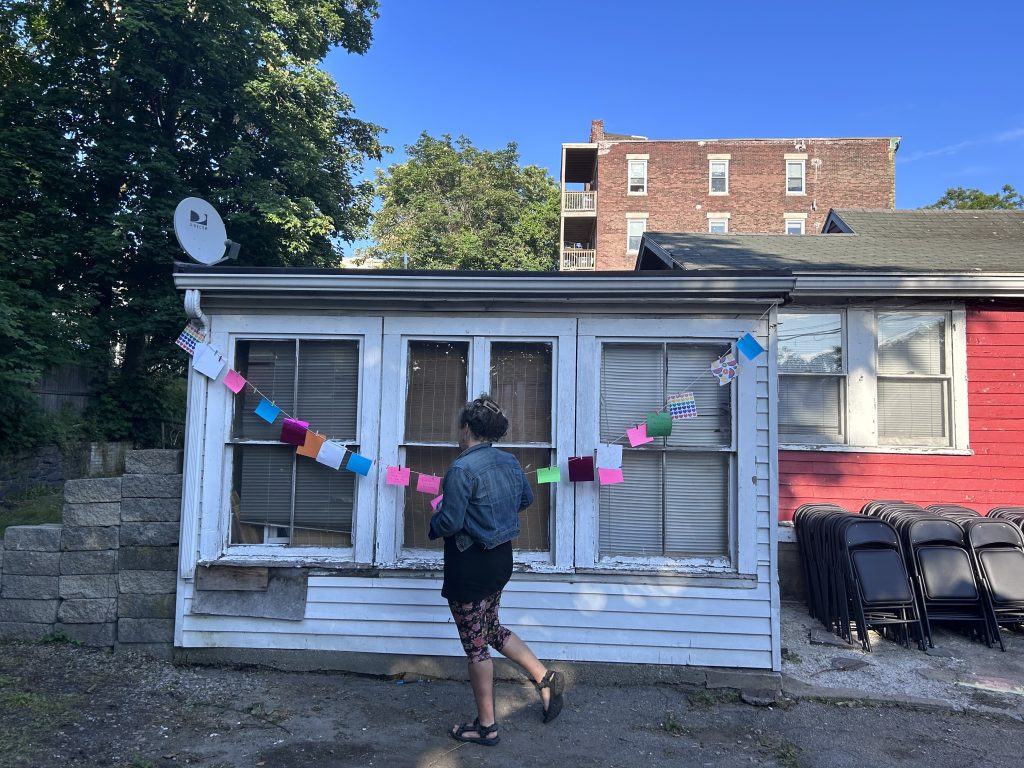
(845, 285)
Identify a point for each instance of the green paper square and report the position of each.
(549, 475)
(659, 425)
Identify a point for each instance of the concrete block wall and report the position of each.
(107, 576)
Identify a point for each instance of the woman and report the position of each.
(484, 491)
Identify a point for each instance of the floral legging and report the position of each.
(479, 627)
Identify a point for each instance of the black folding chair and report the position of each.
(998, 551)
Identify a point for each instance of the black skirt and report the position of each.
(476, 573)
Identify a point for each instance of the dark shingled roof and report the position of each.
(879, 241)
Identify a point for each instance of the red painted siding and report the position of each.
(993, 476)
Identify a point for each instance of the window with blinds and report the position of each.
(278, 497)
(812, 377)
(677, 501)
(913, 379)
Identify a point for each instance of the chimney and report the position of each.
(596, 130)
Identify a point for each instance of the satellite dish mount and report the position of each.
(201, 234)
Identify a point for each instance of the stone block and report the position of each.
(78, 538)
(147, 582)
(32, 563)
(33, 538)
(29, 611)
(163, 651)
(135, 606)
(153, 462)
(148, 558)
(95, 611)
(149, 534)
(95, 635)
(151, 510)
(19, 630)
(88, 587)
(151, 486)
(81, 563)
(99, 513)
(145, 630)
(29, 587)
(92, 490)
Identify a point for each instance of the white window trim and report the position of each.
(711, 162)
(861, 416)
(743, 495)
(803, 177)
(215, 495)
(630, 159)
(561, 333)
(790, 220)
(629, 219)
(715, 219)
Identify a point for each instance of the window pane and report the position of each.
(912, 344)
(324, 499)
(521, 384)
(794, 177)
(811, 406)
(696, 503)
(718, 185)
(436, 390)
(810, 343)
(430, 461)
(261, 493)
(270, 367)
(687, 366)
(794, 228)
(632, 385)
(631, 512)
(912, 410)
(718, 227)
(329, 387)
(534, 521)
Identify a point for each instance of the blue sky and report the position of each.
(945, 76)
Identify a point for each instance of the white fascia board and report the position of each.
(988, 285)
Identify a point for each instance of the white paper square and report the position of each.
(331, 454)
(609, 455)
(207, 361)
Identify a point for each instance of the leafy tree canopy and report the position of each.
(961, 198)
(112, 112)
(453, 206)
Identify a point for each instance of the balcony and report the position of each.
(579, 202)
(578, 260)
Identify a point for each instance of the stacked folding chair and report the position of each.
(856, 577)
(997, 547)
(1013, 515)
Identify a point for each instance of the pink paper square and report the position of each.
(428, 483)
(609, 476)
(638, 435)
(233, 380)
(397, 476)
(434, 502)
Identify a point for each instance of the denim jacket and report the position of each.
(484, 491)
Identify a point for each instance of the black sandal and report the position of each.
(555, 682)
(485, 734)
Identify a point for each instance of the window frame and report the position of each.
(860, 337)
(215, 504)
(713, 222)
(743, 497)
(803, 177)
(629, 221)
(798, 222)
(711, 169)
(480, 332)
(842, 377)
(629, 176)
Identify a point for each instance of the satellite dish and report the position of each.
(200, 232)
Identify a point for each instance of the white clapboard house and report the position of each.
(676, 565)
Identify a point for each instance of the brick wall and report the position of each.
(853, 173)
(107, 576)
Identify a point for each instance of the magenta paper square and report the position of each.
(293, 431)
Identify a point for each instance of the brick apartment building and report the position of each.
(616, 187)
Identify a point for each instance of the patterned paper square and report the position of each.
(724, 368)
(682, 406)
(189, 338)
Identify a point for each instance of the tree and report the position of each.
(149, 102)
(453, 206)
(962, 198)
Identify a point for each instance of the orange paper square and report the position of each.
(312, 445)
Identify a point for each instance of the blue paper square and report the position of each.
(749, 346)
(267, 411)
(358, 464)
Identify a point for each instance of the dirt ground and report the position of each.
(64, 705)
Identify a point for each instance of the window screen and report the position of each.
(811, 377)
(913, 383)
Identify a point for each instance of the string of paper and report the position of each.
(603, 466)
